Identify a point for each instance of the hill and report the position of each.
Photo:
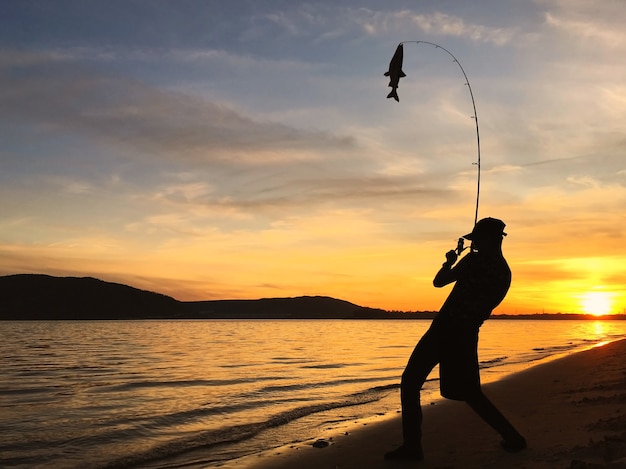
(44, 297)
(302, 307)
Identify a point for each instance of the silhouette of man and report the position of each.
(482, 280)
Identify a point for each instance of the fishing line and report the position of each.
(475, 116)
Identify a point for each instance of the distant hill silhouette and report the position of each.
(303, 307)
(44, 297)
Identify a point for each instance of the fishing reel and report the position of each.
(460, 246)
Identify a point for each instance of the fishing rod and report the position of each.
(395, 73)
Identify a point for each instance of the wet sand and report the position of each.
(572, 412)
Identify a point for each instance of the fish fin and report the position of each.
(386, 74)
(402, 74)
(394, 95)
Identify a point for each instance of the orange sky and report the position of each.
(252, 153)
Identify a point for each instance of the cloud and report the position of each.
(188, 191)
(71, 185)
(447, 25)
(336, 22)
(65, 97)
(196, 203)
(597, 25)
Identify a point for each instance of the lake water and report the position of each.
(158, 394)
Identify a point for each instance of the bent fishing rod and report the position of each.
(395, 73)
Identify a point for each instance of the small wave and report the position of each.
(559, 348)
(133, 385)
(186, 416)
(396, 370)
(541, 353)
(238, 365)
(242, 432)
(127, 428)
(291, 360)
(318, 384)
(493, 362)
(327, 366)
(23, 391)
(386, 387)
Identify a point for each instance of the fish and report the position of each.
(395, 72)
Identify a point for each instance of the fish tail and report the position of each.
(394, 94)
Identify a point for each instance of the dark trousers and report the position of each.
(459, 376)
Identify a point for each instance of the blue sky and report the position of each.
(245, 149)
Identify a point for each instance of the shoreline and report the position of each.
(572, 411)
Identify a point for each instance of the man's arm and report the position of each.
(446, 274)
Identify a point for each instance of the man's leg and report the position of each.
(513, 440)
(423, 359)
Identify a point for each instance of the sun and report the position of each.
(597, 303)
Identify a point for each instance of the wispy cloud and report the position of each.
(442, 24)
(325, 22)
(583, 22)
(66, 98)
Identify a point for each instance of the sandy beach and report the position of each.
(571, 410)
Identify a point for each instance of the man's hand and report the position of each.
(446, 274)
(451, 257)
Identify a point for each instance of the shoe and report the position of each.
(514, 446)
(405, 453)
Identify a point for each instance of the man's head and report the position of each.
(487, 232)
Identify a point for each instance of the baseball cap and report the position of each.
(487, 227)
